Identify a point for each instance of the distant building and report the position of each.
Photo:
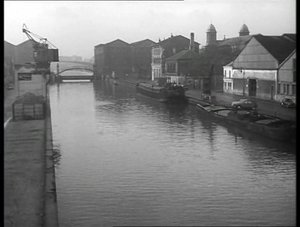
(265, 68)
(112, 57)
(141, 58)
(166, 48)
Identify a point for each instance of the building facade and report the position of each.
(112, 58)
(264, 68)
(165, 49)
(9, 61)
(141, 58)
(287, 76)
(219, 53)
(29, 80)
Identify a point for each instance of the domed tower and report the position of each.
(211, 35)
(244, 30)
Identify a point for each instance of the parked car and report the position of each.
(245, 104)
(288, 103)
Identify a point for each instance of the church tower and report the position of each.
(211, 35)
(244, 30)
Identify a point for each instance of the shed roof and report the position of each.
(279, 47)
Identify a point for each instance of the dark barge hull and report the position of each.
(273, 128)
(162, 94)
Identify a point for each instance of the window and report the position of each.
(24, 76)
(294, 70)
(284, 89)
(157, 60)
(293, 89)
(171, 68)
(229, 73)
(224, 73)
(229, 86)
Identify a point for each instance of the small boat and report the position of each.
(164, 93)
(265, 125)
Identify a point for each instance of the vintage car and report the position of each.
(288, 103)
(245, 104)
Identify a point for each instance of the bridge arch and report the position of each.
(77, 68)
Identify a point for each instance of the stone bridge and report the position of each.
(63, 66)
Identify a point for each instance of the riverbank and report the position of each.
(268, 107)
(29, 177)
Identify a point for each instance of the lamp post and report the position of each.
(243, 73)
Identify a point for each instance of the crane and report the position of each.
(42, 54)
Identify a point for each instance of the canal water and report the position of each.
(128, 160)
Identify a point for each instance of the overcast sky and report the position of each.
(75, 27)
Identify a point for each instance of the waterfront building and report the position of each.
(9, 60)
(167, 48)
(266, 68)
(113, 57)
(24, 52)
(30, 80)
(218, 53)
(141, 58)
(183, 68)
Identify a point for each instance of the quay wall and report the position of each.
(50, 202)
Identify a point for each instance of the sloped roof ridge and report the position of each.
(183, 54)
(141, 41)
(116, 41)
(278, 46)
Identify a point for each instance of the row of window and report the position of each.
(156, 73)
(171, 68)
(229, 73)
(286, 89)
(227, 85)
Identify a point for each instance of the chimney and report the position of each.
(192, 42)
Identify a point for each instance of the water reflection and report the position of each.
(130, 160)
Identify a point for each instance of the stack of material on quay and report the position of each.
(29, 107)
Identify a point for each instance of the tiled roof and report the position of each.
(163, 42)
(240, 41)
(143, 43)
(290, 36)
(184, 54)
(279, 47)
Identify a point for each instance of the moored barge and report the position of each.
(265, 125)
(164, 93)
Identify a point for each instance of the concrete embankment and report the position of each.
(29, 177)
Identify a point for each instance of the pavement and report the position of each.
(29, 177)
(24, 167)
(263, 106)
(9, 97)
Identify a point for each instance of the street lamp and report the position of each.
(243, 72)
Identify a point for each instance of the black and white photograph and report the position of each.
(149, 113)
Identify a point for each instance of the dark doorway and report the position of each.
(252, 87)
